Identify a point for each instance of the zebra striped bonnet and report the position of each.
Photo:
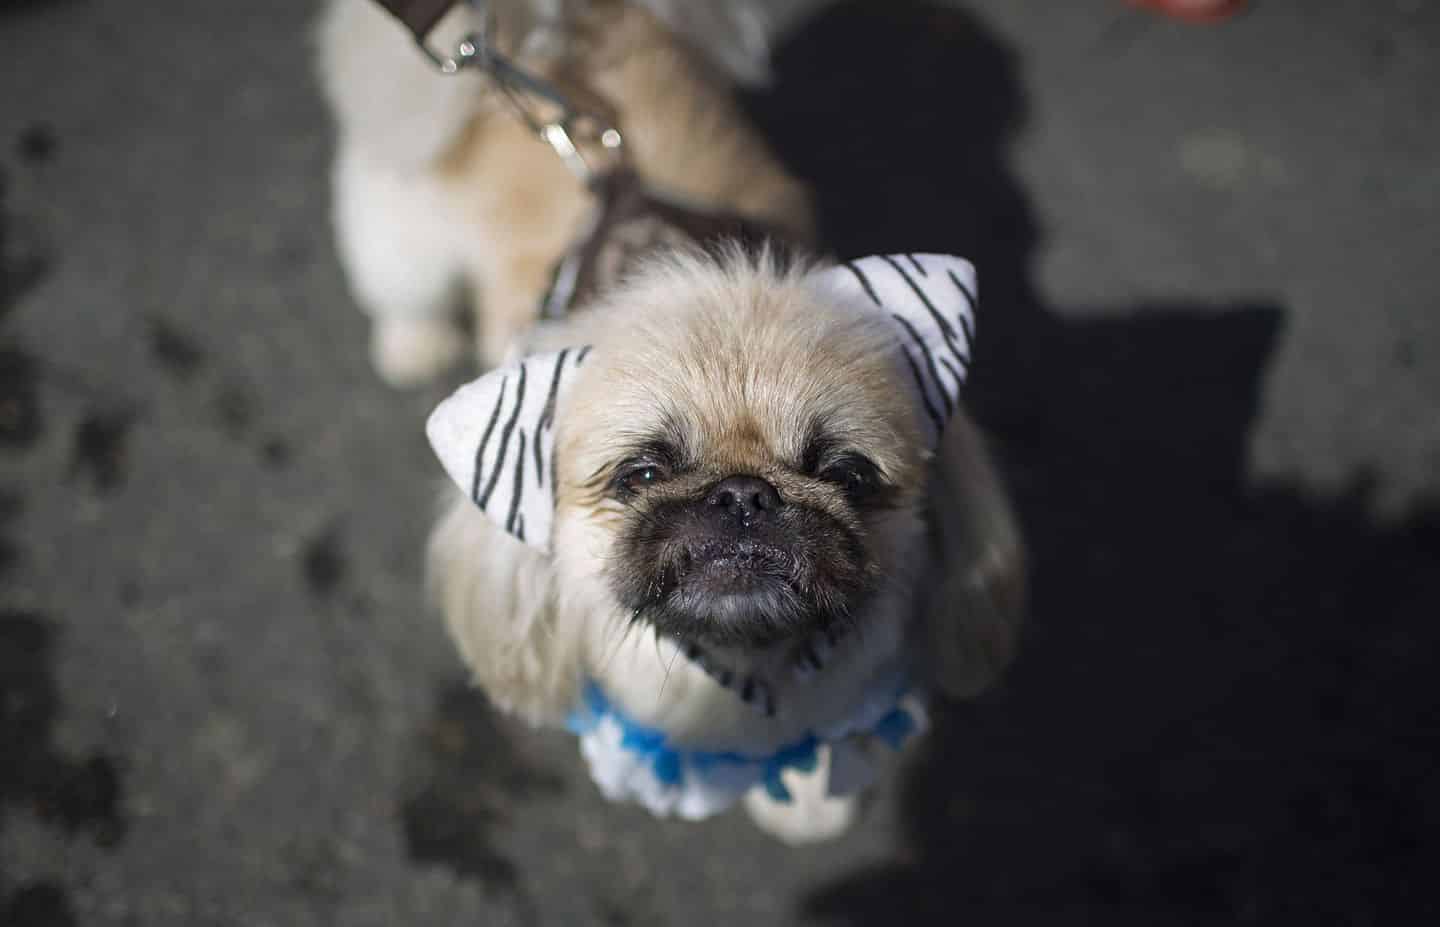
(495, 436)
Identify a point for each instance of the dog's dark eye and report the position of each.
(634, 478)
(854, 474)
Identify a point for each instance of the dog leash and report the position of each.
(527, 94)
(630, 218)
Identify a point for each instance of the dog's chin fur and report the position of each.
(751, 590)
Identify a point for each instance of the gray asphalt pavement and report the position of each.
(1208, 262)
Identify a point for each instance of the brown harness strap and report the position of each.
(630, 222)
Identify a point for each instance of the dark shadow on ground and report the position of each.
(74, 795)
(469, 783)
(1225, 709)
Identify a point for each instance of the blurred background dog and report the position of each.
(443, 197)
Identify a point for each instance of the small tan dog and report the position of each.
(757, 526)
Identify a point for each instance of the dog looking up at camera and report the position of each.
(757, 527)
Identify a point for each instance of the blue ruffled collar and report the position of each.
(631, 761)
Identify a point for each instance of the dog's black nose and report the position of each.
(748, 498)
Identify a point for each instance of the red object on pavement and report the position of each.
(1195, 11)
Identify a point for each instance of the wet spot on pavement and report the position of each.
(20, 422)
(37, 143)
(73, 795)
(174, 350)
(323, 562)
(314, 866)
(21, 266)
(84, 797)
(234, 409)
(37, 904)
(22, 262)
(9, 508)
(474, 778)
(98, 450)
(276, 453)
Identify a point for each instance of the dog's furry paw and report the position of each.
(409, 352)
(811, 815)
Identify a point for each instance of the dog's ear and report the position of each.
(974, 601)
(495, 437)
(931, 300)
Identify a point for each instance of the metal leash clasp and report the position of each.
(520, 89)
(465, 54)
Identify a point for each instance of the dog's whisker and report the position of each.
(625, 629)
(668, 668)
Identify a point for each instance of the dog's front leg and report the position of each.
(511, 305)
(499, 604)
(812, 814)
